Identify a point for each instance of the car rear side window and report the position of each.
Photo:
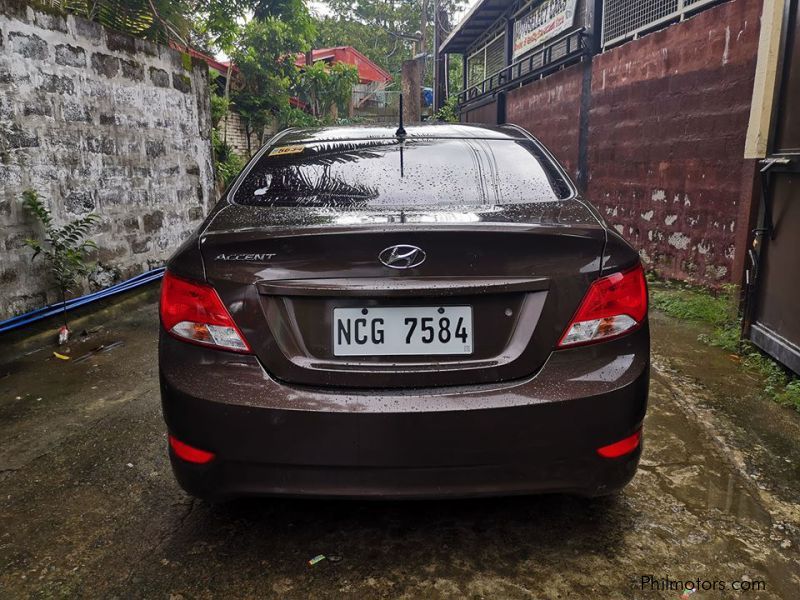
(412, 173)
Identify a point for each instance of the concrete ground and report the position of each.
(88, 506)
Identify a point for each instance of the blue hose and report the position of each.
(54, 309)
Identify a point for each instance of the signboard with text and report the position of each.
(543, 23)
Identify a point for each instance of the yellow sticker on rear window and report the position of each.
(281, 150)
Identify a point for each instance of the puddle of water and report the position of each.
(690, 466)
(765, 432)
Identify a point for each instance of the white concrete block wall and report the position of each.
(95, 120)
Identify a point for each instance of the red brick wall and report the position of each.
(667, 125)
(550, 109)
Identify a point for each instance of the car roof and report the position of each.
(377, 132)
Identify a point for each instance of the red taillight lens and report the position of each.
(193, 312)
(622, 447)
(614, 305)
(190, 453)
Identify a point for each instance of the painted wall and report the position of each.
(667, 123)
(550, 108)
(485, 113)
(95, 120)
(667, 129)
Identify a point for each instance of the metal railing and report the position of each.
(537, 64)
(627, 19)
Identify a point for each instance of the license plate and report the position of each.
(402, 331)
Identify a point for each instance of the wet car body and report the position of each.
(297, 250)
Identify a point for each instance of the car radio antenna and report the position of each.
(401, 131)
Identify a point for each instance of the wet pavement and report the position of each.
(88, 506)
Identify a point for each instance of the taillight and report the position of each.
(614, 305)
(190, 453)
(622, 447)
(192, 311)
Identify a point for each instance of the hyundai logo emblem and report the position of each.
(402, 257)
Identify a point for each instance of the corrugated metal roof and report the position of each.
(368, 71)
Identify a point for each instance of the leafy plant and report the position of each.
(290, 116)
(157, 20)
(228, 164)
(383, 30)
(327, 86)
(265, 54)
(64, 249)
(449, 112)
(220, 106)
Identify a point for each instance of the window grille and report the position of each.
(627, 19)
(486, 60)
(496, 55)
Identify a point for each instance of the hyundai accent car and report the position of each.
(376, 313)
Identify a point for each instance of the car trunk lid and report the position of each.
(521, 269)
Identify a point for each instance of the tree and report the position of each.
(265, 54)
(327, 86)
(381, 29)
(157, 20)
(218, 23)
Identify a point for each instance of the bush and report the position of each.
(449, 111)
(290, 116)
(227, 164)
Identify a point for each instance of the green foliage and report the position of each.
(342, 79)
(455, 64)
(720, 310)
(219, 108)
(157, 20)
(696, 304)
(186, 60)
(289, 116)
(265, 54)
(449, 111)
(64, 249)
(217, 23)
(227, 163)
(790, 395)
(377, 28)
(326, 86)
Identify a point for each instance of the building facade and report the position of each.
(652, 127)
(664, 112)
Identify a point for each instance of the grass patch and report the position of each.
(720, 310)
(695, 304)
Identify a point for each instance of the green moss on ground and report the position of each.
(719, 309)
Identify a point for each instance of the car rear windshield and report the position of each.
(394, 173)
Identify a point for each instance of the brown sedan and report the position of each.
(430, 314)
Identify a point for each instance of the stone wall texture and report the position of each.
(667, 122)
(97, 121)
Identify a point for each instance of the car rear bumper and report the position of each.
(532, 436)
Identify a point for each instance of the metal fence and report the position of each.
(376, 106)
(627, 19)
(382, 106)
(539, 63)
